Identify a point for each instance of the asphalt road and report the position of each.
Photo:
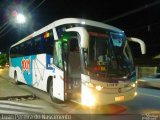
(145, 106)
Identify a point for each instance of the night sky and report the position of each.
(144, 22)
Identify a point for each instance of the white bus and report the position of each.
(76, 59)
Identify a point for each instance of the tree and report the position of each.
(3, 59)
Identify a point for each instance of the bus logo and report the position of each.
(26, 65)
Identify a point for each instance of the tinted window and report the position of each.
(37, 45)
(42, 43)
(48, 43)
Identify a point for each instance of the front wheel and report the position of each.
(51, 93)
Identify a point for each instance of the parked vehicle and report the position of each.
(150, 81)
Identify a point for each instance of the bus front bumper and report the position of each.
(93, 97)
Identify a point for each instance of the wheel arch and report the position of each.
(50, 78)
(15, 73)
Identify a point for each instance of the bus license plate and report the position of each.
(119, 98)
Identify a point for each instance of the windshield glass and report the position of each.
(121, 54)
(109, 56)
(98, 51)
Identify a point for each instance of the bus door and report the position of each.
(72, 63)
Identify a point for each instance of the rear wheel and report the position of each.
(16, 78)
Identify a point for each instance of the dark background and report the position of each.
(138, 18)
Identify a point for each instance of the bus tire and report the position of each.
(51, 92)
(16, 78)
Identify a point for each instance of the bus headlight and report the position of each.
(99, 88)
(88, 98)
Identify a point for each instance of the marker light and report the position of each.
(46, 35)
(97, 68)
(83, 22)
(124, 77)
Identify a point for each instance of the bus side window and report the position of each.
(28, 48)
(48, 45)
(38, 49)
(21, 50)
(34, 49)
(57, 57)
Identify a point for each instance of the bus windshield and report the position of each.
(109, 57)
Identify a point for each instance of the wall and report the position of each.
(145, 71)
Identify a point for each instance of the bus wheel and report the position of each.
(51, 93)
(15, 78)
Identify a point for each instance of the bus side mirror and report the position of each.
(142, 44)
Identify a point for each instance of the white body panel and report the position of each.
(38, 74)
(58, 84)
(38, 68)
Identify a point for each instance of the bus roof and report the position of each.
(87, 22)
(68, 21)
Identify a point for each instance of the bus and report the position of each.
(76, 59)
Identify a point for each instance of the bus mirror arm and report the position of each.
(83, 34)
(142, 44)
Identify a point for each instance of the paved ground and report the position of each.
(147, 102)
(9, 90)
(15, 100)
